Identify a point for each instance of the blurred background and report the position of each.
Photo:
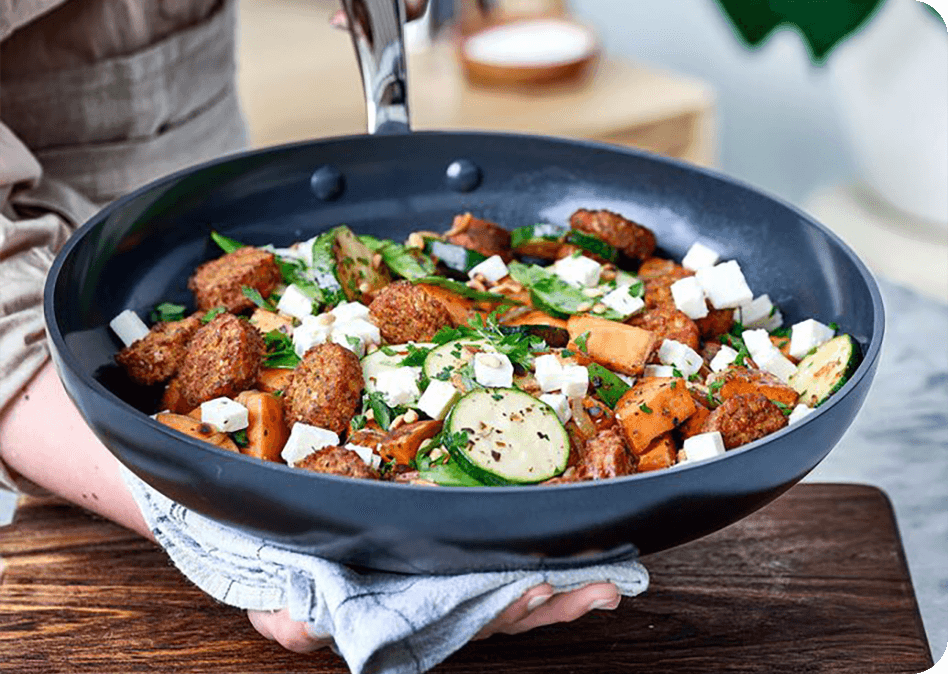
(840, 108)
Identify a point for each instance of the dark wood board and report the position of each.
(815, 582)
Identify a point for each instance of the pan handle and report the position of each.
(376, 29)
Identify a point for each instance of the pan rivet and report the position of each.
(463, 175)
(327, 183)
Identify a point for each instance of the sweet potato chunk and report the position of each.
(487, 238)
(744, 381)
(535, 317)
(692, 426)
(273, 379)
(267, 321)
(401, 444)
(619, 347)
(660, 453)
(459, 308)
(653, 406)
(267, 431)
(197, 429)
(173, 399)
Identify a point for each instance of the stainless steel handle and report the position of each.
(376, 29)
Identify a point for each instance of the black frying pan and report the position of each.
(140, 251)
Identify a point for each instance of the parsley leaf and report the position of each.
(581, 342)
(782, 407)
(645, 408)
(254, 296)
(212, 314)
(240, 437)
(166, 312)
(382, 413)
(280, 351)
(358, 422)
(226, 244)
(416, 356)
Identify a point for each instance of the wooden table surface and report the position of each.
(815, 582)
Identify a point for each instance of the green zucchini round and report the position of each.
(823, 372)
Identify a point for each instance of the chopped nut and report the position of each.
(370, 414)
(593, 292)
(411, 416)
(397, 422)
(489, 360)
(585, 306)
(476, 285)
(599, 308)
(608, 275)
(326, 319)
(376, 261)
(416, 240)
(365, 287)
(436, 453)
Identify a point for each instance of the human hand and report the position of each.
(539, 606)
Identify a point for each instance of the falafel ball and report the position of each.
(326, 389)
(406, 313)
(223, 358)
(158, 355)
(636, 241)
(338, 461)
(220, 282)
(744, 418)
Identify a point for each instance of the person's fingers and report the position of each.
(567, 607)
(518, 610)
(339, 20)
(414, 9)
(292, 635)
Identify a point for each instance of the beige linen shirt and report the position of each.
(97, 97)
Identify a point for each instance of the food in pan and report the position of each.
(550, 354)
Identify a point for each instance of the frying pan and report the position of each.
(140, 250)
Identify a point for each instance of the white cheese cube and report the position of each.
(349, 311)
(493, 269)
(579, 271)
(776, 364)
(701, 447)
(367, 454)
(574, 381)
(312, 331)
(621, 300)
(295, 302)
(755, 314)
(438, 398)
(399, 385)
(658, 371)
(560, 405)
(807, 335)
(689, 297)
(626, 378)
(758, 344)
(493, 370)
(799, 412)
(680, 356)
(452, 256)
(724, 285)
(724, 357)
(305, 440)
(699, 256)
(129, 327)
(548, 371)
(225, 414)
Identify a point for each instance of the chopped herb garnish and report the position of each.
(786, 409)
(693, 377)
(254, 296)
(645, 408)
(388, 351)
(518, 347)
(381, 411)
(212, 314)
(166, 312)
(773, 310)
(240, 437)
(226, 244)
(566, 353)
(416, 356)
(781, 332)
(674, 384)
(497, 396)
(581, 342)
(358, 422)
(354, 342)
(834, 326)
(676, 372)
(280, 351)
(445, 374)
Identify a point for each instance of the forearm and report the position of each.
(44, 438)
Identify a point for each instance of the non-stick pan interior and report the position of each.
(141, 250)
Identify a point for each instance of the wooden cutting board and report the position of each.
(815, 582)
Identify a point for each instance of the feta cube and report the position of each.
(438, 398)
(724, 285)
(367, 454)
(493, 269)
(689, 297)
(756, 313)
(349, 311)
(547, 372)
(807, 335)
(701, 447)
(724, 357)
(295, 302)
(622, 301)
(560, 405)
(305, 440)
(129, 327)
(658, 371)
(776, 364)
(758, 344)
(225, 414)
(579, 271)
(699, 256)
(493, 370)
(398, 385)
(574, 381)
(680, 356)
(799, 412)
(312, 331)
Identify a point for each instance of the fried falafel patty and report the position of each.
(223, 358)
(220, 282)
(338, 461)
(636, 241)
(326, 389)
(406, 313)
(158, 355)
(745, 418)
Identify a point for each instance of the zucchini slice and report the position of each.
(358, 278)
(823, 372)
(541, 240)
(451, 355)
(512, 438)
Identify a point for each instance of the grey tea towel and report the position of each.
(381, 623)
